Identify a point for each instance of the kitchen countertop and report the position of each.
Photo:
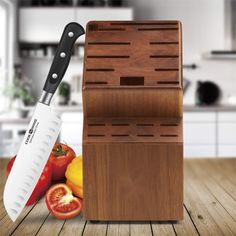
(4, 118)
(209, 208)
(215, 108)
(7, 118)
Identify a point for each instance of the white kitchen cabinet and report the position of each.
(12, 135)
(72, 129)
(199, 134)
(227, 117)
(227, 133)
(227, 150)
(208, 134)
(199, 150)
(45, 25)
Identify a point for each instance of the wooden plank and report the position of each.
(51, 226)
(226, 175)
(98, 229)
(2, 210)
(34, 220)
(162, 228)
(197, 210)
(186, 226)
(3, 164)
(223, 220)
(223, 190)
(7, 226)
(73, 226)
(3, 178)
(140, 229)
(227, 167)
(118, 229)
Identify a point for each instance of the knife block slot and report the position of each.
(145, 23)
(95, 82)
(144, 124)
(168, 124)
(100, 69)
(152, 29)
(168, 82)
(96, 135)
(109, 43)
(108, 56)
(120, 124)
(96, 124)
(132, 129)
(130, 80)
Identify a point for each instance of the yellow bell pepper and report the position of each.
(74, 175)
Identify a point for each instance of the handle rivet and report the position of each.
(70, 34)
(62, 54)
(54, 75)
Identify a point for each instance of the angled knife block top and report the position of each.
(139, 64)
(132, 132)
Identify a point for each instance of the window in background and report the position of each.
(3, 40)
(6, 47)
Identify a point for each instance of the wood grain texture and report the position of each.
(34, 221)
(223, 220)
(132, 135)
(198, 218)
(140, 229)
(133, 69)
(137, 181)
(133, 130)
(118, 228)
(133, 103)
(73, 226)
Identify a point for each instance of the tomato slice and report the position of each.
(61, 203)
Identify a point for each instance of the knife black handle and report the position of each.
(62, 57)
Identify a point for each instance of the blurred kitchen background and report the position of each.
(30, 31)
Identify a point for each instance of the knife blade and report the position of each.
(42, 131)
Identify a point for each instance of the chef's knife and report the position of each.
(42, 131)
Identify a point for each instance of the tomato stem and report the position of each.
(59, 151)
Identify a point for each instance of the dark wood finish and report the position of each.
(132, 136)
(133, 130)
(134, 181)
(210, 186)
(136, 59)
(129, 103)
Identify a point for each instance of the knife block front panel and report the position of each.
(132, 133)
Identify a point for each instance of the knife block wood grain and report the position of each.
(132, 132)
(128, 64)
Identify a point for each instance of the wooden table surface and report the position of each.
(209, 209)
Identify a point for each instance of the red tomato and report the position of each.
(43, 184)
(60, 157)
(61, 203)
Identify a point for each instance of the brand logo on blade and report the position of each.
(31, 131)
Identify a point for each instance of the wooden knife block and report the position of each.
(132, 133)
